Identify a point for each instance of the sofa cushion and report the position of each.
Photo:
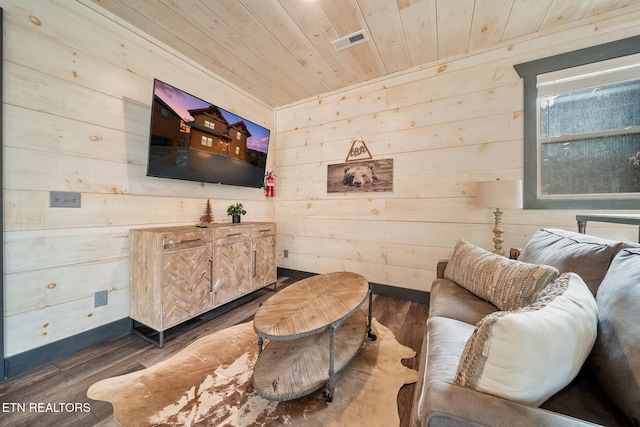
(585, 399)
(507, 284)
(615, 360)
(443, 344)
(528, 354)
(446, 342)
(568, 251)
(447, 299)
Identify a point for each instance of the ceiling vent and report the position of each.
(350, 40)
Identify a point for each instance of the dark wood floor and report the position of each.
(67, 380)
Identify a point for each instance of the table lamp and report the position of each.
(499, 194)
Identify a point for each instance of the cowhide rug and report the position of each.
(209, 383)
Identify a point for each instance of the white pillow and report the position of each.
(529, 354)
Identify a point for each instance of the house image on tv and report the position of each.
(211, 132)
(166, 125)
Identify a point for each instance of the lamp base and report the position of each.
(497, 233)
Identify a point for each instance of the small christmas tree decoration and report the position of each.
(207, 218)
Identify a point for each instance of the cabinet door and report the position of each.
(186, 285)
(264, 261)
(231, 271)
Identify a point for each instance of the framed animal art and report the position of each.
(364, 176)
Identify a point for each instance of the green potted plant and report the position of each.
(235, 211)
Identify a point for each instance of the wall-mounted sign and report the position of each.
(358, 150)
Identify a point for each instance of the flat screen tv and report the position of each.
(193, 139)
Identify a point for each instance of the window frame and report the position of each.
(529, 72)
(206, 141)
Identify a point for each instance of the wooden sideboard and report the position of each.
(178, 273)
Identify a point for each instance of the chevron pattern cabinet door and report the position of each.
(231, 271)
(264, 261)
(186, 285)
(178, 273)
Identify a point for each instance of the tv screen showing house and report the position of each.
(193, 139)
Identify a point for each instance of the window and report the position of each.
(238, 136)
(206, 141)
(209, 124)
(582, 128)
(589, 130)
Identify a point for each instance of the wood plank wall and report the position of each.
(78, 89)
(446, 126)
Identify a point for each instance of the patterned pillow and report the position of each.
(528, 355)
(508, 284)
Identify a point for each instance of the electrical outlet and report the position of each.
(286, 253)
(100, 298)
(64, 199)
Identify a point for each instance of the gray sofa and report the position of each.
(606, 389)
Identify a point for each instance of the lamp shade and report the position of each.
(499, 194)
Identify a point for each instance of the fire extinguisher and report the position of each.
(269, 185)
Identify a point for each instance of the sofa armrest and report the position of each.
(442, 264)
(452, 405)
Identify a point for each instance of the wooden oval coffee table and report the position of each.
(315, 328)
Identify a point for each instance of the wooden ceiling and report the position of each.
(280, 50)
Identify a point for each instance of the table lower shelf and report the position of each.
(291, 369)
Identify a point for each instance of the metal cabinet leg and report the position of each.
(136, 331)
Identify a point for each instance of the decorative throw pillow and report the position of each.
(529, 354)
(508, 284)
(615, 359)
(586, 255)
